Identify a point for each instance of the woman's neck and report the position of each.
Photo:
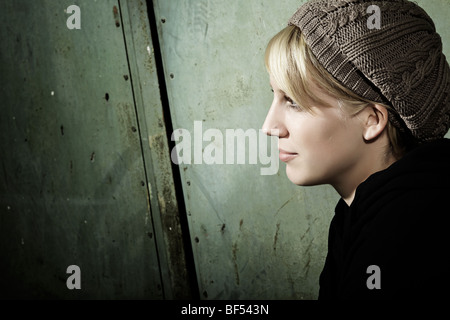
(347, 184)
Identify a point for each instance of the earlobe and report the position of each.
(376, 121)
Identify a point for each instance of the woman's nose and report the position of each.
(273, 125)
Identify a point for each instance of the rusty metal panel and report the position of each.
(73, 187)
(254, 236)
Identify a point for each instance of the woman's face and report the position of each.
(322, 147)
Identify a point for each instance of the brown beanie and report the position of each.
(401, 64)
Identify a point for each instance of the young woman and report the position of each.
(364, 107)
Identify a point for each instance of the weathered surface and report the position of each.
(72, 187)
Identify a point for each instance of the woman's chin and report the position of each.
(302, 179)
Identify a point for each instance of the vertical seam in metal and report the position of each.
(187, 244)
(141, 145)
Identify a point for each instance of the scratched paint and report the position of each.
(71, 166)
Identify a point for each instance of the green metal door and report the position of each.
(85, 180)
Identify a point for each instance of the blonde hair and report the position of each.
(294, 67)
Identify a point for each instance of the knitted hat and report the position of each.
(401, 64)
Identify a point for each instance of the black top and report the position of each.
(393, 241)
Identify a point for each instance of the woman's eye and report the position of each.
(289, 100)
(292, 104)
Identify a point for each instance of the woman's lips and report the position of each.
(286, 156)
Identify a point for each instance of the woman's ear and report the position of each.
(375, 119)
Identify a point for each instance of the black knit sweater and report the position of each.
(393, 241)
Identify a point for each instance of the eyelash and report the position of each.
(291, 102)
